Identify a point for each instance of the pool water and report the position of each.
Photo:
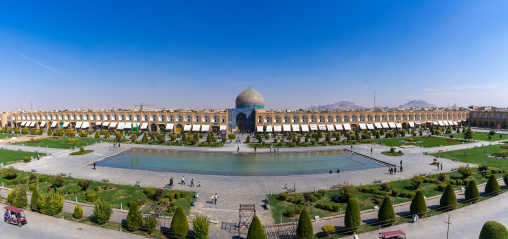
(247, 164)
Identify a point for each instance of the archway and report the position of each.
(178, 128)
(153, 127)
(241, 121)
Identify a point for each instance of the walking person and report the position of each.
(213, 199)
(199, 184)
(192, 182)
(355, 236)
(94, 165)
(395, 169)
(238, 150)
(216, 197)
(183, 180)
(441, 166)
(370, 150)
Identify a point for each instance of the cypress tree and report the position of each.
(418, 205)
(448, 200)
(472, 193)
(492, 187)
(386, 214)
(248, 139)
(134, 218)
(304, 229)
(352, 218)
(179, 224)
(78, 212)
(34, 202)
(493, 230)
(256, 230)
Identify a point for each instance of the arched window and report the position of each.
(321, 119)
(346, 118)
(286, 119)
(205, 119)
(170, 118)
(295, 119)
(215, 119)
(329, 119)
(223, 119)
(362, 118)
(268, 119)
(122, 117)
(353, 118)
(260, 119)
(197, 118)
(337, 118)
(313, 119)
(276, 119)
(188, 118)
(305, 119)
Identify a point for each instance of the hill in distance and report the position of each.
(339, 105)
(417, 103)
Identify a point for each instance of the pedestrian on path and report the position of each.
(355, 236)
(192, 182)
(395, 169)
(238, 150)
(390, 170)
(94, 165)
(370, 150)
(183, 180)
(199, 184)
(213, 199)
(216, 197)
(286, 186)
(441, 166)
(438, 166)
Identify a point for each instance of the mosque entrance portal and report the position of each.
(241, 121)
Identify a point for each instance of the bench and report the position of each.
(169, 186)
(335, 186)
(194, 202)
(377, 181)
(267, 204)
(422, 174)
(291, 190)
(105, 180)
(34, 170)
(138, 183)
(63, 174)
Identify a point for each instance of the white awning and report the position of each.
(347, 127)
(32, 124)
(286, 127)
(322, 127)
(65, 125)
(23, 123)
(85, 125)
(445, 123)
(127, 126)
(313, 127)
(113, 125)
(121, 126)
(269, 128)
(204, 128)
(362, 126)
(370, 126)
(105, 124)
(98, 123)
(338, 127)
(196, 127)
(378, 125)
(385, 125)
(411, 124)
(296, 128)
(440, 123)
(399, 125)
(455, 123)
(277, 128)
(187, 127)
(144, 126)
(260, 128)
(435, 123)
(392, 125)
(170, 126)
(330, 127)
(53, 125)
(78, 124)
(43, 123)
(222, 127)
(305, 128)
(450, 122)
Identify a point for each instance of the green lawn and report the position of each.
(392, 154)
(81, 152)
(61, 142)
(483, 136)
(477, 156)
(12, 156)
(6, 136)
(427, 142)
(116, 194)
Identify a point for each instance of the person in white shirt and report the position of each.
(355, 236)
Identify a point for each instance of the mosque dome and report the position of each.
(250, 99)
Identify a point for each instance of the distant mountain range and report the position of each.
(417, 104)
(346, 105)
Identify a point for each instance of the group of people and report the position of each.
(191, 182)
(393, 170)
(12, 217)
(116, 145)
(214, 198)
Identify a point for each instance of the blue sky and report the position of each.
(201, 54)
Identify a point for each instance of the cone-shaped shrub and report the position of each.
(179, 224)
(256, 230)
(493, 230)
(386, 214)
(448, 200)
(418, 205)
(492, 187)
(34, 202)
(352, 219)
(201, 224)
(134, 218)
(78, 212)
(304, 229)
(50, 203)
(102, 211)
(472, 193)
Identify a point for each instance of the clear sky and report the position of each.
(201, 54)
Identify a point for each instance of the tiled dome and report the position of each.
(250, 99)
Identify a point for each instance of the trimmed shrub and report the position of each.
(465, 171)
(201, 224)
(290, 212)
(327, 206)
(472, 193)
(418, 205)
(493, 230)
(505, 178)
(42, 179)
(179, 224)
(18, 198)
(442, 177)
(102, 211)
(313, 199)
(441, 186)
(347, 191)
(51, 203)
(492, 187)
(78, 212)
(283, 196)
(395, 192)
(328, 229)
(335, 207)
(307, 197)
(416, 181)
(158, 194)
(448, 200)
(318, 195)
(352, 219)
(386, 214)
(304, 229)
(134, 218)
(58, 181)
(10, 173)
(91, 196)
(150, 225)
(256, 230)
(34, 202)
